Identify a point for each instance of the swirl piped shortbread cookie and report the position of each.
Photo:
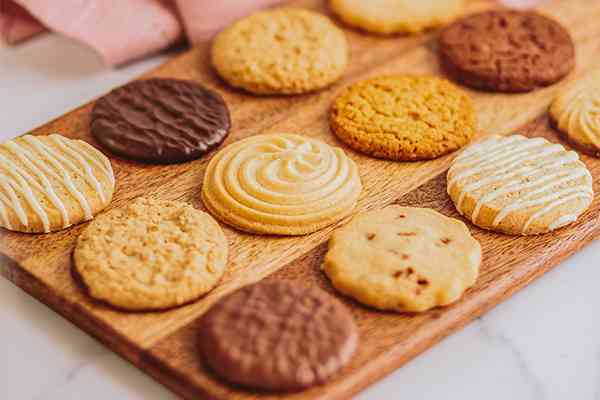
(403, 259)
(576, 112)
(151, 254)
(281, 184)
(519, 186)
(48, 183)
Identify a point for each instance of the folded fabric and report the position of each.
(123, 30)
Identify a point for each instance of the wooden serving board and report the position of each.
(164, 343)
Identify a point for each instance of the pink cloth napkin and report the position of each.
(123, 30)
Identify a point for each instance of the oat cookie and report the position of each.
(576, 113)
(48, 183)
(519, 186)
(403, 259)
(280, 183)
(507, 51)
(277, 336)
(151, 254)
(396, 16)
(404, 117)
(281, 51)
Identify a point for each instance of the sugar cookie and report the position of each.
(280, 184)
(576, 113)
(403, 259)
(396, 16)
(404, 117)
(151, 254)
(281, 51)
(48, 183)
(519, 186)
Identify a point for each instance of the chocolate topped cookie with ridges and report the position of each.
(507, 51)
(48, 183)
(151, 255)
(160, 120)
(576, 113)
(396, 16)
(277, 336)
(281, 184)
(519, 186)
(404, 117)
(281, 51)
(403, 259)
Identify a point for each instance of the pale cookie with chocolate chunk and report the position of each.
(403, 259)
(151, 254)
(519, 186)
(281, 51)
(48, 183)
(576, 113)
(404, 117)
(396, 16)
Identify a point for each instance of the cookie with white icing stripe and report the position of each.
(576, 113)
(48, 183)
(519, 185)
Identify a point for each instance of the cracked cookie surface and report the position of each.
(403, 117)
(403, 259)
(151, 254)
(507, 51)
(281, 51)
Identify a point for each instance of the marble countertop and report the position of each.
(543, 343)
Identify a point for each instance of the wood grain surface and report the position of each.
(164, 343)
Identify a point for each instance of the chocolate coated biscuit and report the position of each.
(160, 120)
(277, 336)
(507, 51)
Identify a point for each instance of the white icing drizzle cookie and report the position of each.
(576, 113)
(519, 185)
(51, 182)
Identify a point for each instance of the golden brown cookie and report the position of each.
(396, 16)
(403, 259)
(48, 183)
(281, 184)
(151, 254)
(519, 185)
(404, 117)
(281, 51)
(576, 113)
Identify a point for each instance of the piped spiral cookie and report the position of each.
(281, 184)
(519, 186)
(576, 112)
(48, 183)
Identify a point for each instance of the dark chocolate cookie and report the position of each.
(507, 51)
(160, 120)
(277, 336)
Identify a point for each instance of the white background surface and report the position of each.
(543, 343)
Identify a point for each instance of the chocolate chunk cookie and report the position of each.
(160, 120)
(277, 336)
(507, 51)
